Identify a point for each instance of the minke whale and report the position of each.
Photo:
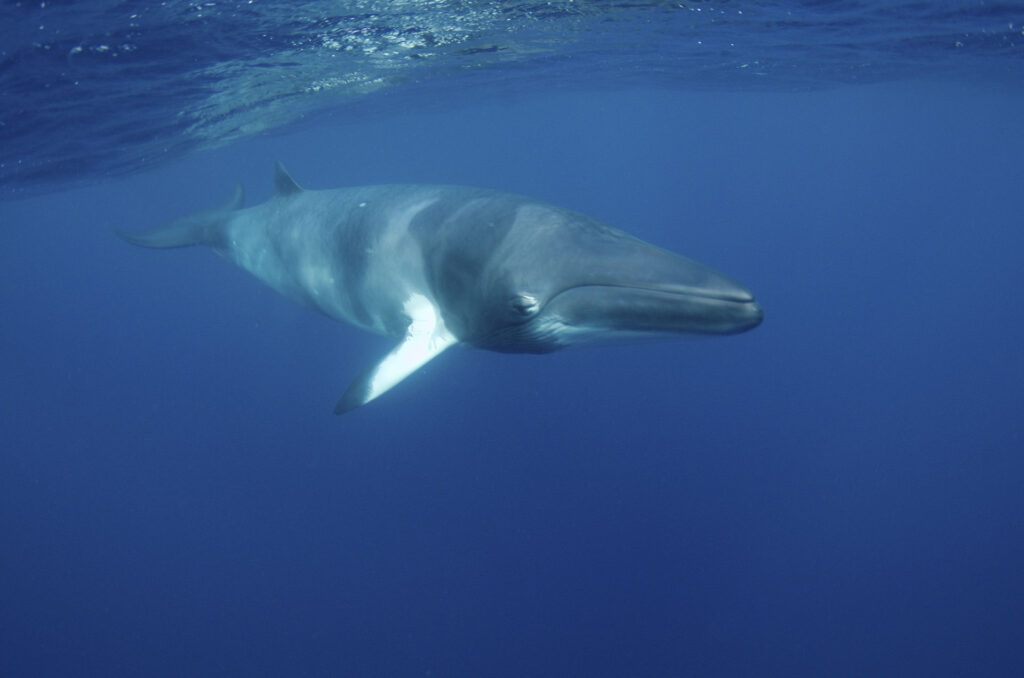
(435, 266)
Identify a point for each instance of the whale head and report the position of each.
(552, 278)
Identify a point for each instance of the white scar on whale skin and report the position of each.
(434, 266)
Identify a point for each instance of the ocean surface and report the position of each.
(839, 492)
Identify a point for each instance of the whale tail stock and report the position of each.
(201, 228)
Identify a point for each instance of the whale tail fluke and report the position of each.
(202, 228)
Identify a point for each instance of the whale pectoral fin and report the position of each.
(406, 358)
(425, 339)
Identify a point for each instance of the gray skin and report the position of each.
(438, 265)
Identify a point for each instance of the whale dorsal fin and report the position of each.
(425, 339)
(283, 182)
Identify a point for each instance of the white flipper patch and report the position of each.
(426, 338)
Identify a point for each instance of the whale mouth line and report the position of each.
(738, 296)
(655, 309)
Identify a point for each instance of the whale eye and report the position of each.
(525, 304)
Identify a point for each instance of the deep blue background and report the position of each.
(839, 492)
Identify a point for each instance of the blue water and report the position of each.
(839, 492)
